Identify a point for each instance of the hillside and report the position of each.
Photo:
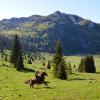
(39, 33)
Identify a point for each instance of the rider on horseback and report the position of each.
(37, 75)
(39, 79)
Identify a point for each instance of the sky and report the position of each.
(88, 9)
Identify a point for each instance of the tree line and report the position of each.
(61, 68)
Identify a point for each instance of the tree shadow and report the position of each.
(97, 72)
(80, 79)
(74, 79)
(26, 70)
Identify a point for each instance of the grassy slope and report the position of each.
(78, 87)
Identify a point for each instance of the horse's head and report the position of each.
(44, 74)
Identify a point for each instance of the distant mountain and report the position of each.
(40, 33)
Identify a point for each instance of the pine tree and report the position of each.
(57, 57)
(29, 61)
(6, 58)
(49, 65)
(16, 54)
(1, 47)
(74, 68)
(69, 69)
(81, 67)
(89, 64)
(92, 64)
(59, 63)
(62, 70)
(19, 63)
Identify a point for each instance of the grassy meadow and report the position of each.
(79, 86)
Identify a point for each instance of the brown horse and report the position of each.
(39, 80)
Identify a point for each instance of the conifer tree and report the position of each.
(16, 54)
(89, 64)
(81, 67)
(29, 61)
(49, 65)
(6, 59)
(59, 63)
(57, 58)
(62, 70)
(74, 68)
(19, 63)
(1, 47)
(69, 68)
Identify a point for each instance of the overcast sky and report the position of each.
(88, 9)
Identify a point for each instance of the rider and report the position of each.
(37, 74)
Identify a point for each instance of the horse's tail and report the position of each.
(28, 82)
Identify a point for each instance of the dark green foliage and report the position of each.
(28, 55)
(81, 67)
(1, 47)
(59, 63)
(2, 55)
(16, 54)
(29, 61)
(19, 63)
(32, 58)
(6, 58)
(49, 65)
(69, 68)
(25, 57)
(43, 64)
(57, 58)
(87, 65)
(62, 70)
(74, 68)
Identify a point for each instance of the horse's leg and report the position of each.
(45, 83)
(32, 86)
(32, 83)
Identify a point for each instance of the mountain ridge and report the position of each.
(41, 32)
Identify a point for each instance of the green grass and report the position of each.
(79, 86)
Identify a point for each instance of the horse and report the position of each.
(39, 80)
